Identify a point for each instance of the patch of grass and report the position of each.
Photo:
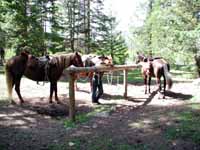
(133, 77)
(194, 106)
(186, 72)
(132, 147)
(66, 146)
(100, 143)
(4, 101)
(187, 127)
(82, 118)
(196, 97)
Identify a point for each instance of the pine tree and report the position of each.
(26, 23)
(113, 43)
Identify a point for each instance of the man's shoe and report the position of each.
(98, 103)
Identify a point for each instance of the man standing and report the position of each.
(97, 87)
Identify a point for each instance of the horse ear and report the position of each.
(24, 53)
(76, 53)
(102, 57)
(109, 56)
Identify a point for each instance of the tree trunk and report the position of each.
(88, 28)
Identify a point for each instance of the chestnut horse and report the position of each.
(93, 60)
(38, 69)
(155, 67)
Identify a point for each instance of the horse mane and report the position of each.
(61, 59)
(59, 54)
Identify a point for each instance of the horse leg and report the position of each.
(17, 89)
(149, 84)
(51, 92)
(91, 85)
(10, 96)
(158, 85)
(164, 80)
(56, 96)
(145, 83)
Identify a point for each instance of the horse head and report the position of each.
(24, 53)
(106, 60)
(103, 60)
(77, 60)
(140, 58)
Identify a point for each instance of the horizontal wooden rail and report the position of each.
(101, 68)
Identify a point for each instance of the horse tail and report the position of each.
(9, 81)
(168, 76)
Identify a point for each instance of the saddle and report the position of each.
(44, 59)
(44, 62)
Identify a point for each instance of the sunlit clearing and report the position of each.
(141, 124)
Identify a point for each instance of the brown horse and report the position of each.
(38, 69)
(93, 60)
(155, 67)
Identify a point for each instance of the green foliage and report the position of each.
(170, 30)
(42, 26)
(25, 25)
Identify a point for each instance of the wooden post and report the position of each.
(125, 83)
(71, 97)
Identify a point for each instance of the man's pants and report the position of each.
(97, 89)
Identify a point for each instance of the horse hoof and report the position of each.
(21, 103)
(50, 102)
(59, 102)
(13, 102)
(161, 97)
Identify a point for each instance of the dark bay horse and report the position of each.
(155, 67)
(91, 60)
(38, 70)
(2, 55)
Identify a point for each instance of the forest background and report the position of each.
(167, 28)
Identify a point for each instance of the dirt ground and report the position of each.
(139, 122)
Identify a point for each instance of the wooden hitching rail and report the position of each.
(73, 70)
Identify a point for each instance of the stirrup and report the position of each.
(38, 83)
